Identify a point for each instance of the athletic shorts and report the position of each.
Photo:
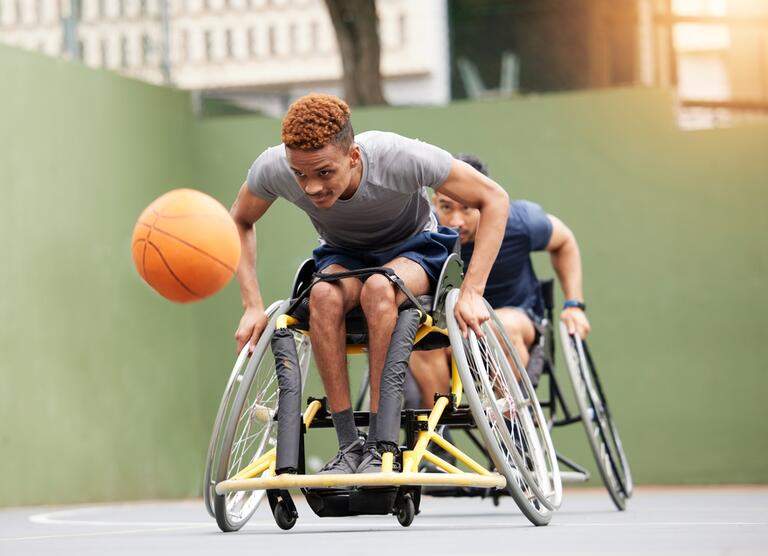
(428, 249)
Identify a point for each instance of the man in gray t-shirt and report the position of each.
(366, 197)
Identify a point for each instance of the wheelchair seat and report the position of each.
(356, 326)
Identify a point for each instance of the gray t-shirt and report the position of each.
(390, 205)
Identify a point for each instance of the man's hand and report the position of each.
(470, 312)
(575, 321)
(251, 326)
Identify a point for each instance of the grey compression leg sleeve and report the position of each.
(393, 379)
(289, 402)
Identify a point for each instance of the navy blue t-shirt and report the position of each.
(512, 281)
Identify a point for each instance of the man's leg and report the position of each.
(379, 301)
(329, 302)
(432, 373)
(519, 328)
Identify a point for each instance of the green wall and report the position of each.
(107, 391)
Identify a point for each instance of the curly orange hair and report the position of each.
(316, 120)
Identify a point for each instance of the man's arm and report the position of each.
(246, 210)
(566, 260)
(469, 187)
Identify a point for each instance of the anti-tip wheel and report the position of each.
(406, 512)
(283, 516)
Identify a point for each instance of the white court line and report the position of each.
(99, 534)
(59, 518)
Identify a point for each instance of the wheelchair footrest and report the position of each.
(286, 481)
(346, 502)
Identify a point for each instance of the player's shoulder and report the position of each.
(273, 156)
(524, 209)
(382, 141)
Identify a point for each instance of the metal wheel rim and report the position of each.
(230, 392)
(240, 506)
(598, 430)
(533, 508)
(546, 483)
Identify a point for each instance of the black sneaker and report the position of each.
(345, 461)
(372, 462)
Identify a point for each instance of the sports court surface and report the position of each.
(658, 521)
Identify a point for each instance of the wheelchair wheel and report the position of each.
(225, 406)
(601, 431)
(249, 429)
(508, 416)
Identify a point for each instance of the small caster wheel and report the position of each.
(406, 512)
(283, 516)
(496, 501)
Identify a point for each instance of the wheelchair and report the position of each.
(257, 444)
(593, 411)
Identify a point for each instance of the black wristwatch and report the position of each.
(574, 303)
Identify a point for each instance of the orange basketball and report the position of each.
(185, 245)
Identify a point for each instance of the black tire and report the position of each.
(602, 433)
(406, 511)
(284, 517)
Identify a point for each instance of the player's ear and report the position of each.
(354, 155)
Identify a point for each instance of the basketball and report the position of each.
(185, 245)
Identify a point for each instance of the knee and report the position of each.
(516, 336)
(377, 295)
(325, 302)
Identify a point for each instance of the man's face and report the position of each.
(326, 174)
(455, 215)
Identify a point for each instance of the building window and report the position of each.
(184, 45)
(229, 44)
(314, 36)
(402, 29)
(146, 49)
(272, 37)
(104, 53)
(123, 52)
(293, 38)
(252, 42)
(208, 37)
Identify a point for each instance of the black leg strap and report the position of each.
(289, 401)
(393, 379)
(361, 273)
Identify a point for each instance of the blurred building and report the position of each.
(714, 52)
(259, 53)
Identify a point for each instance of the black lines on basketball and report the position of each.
(170, 270)
(191, 246)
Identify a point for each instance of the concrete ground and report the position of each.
(699, 521)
